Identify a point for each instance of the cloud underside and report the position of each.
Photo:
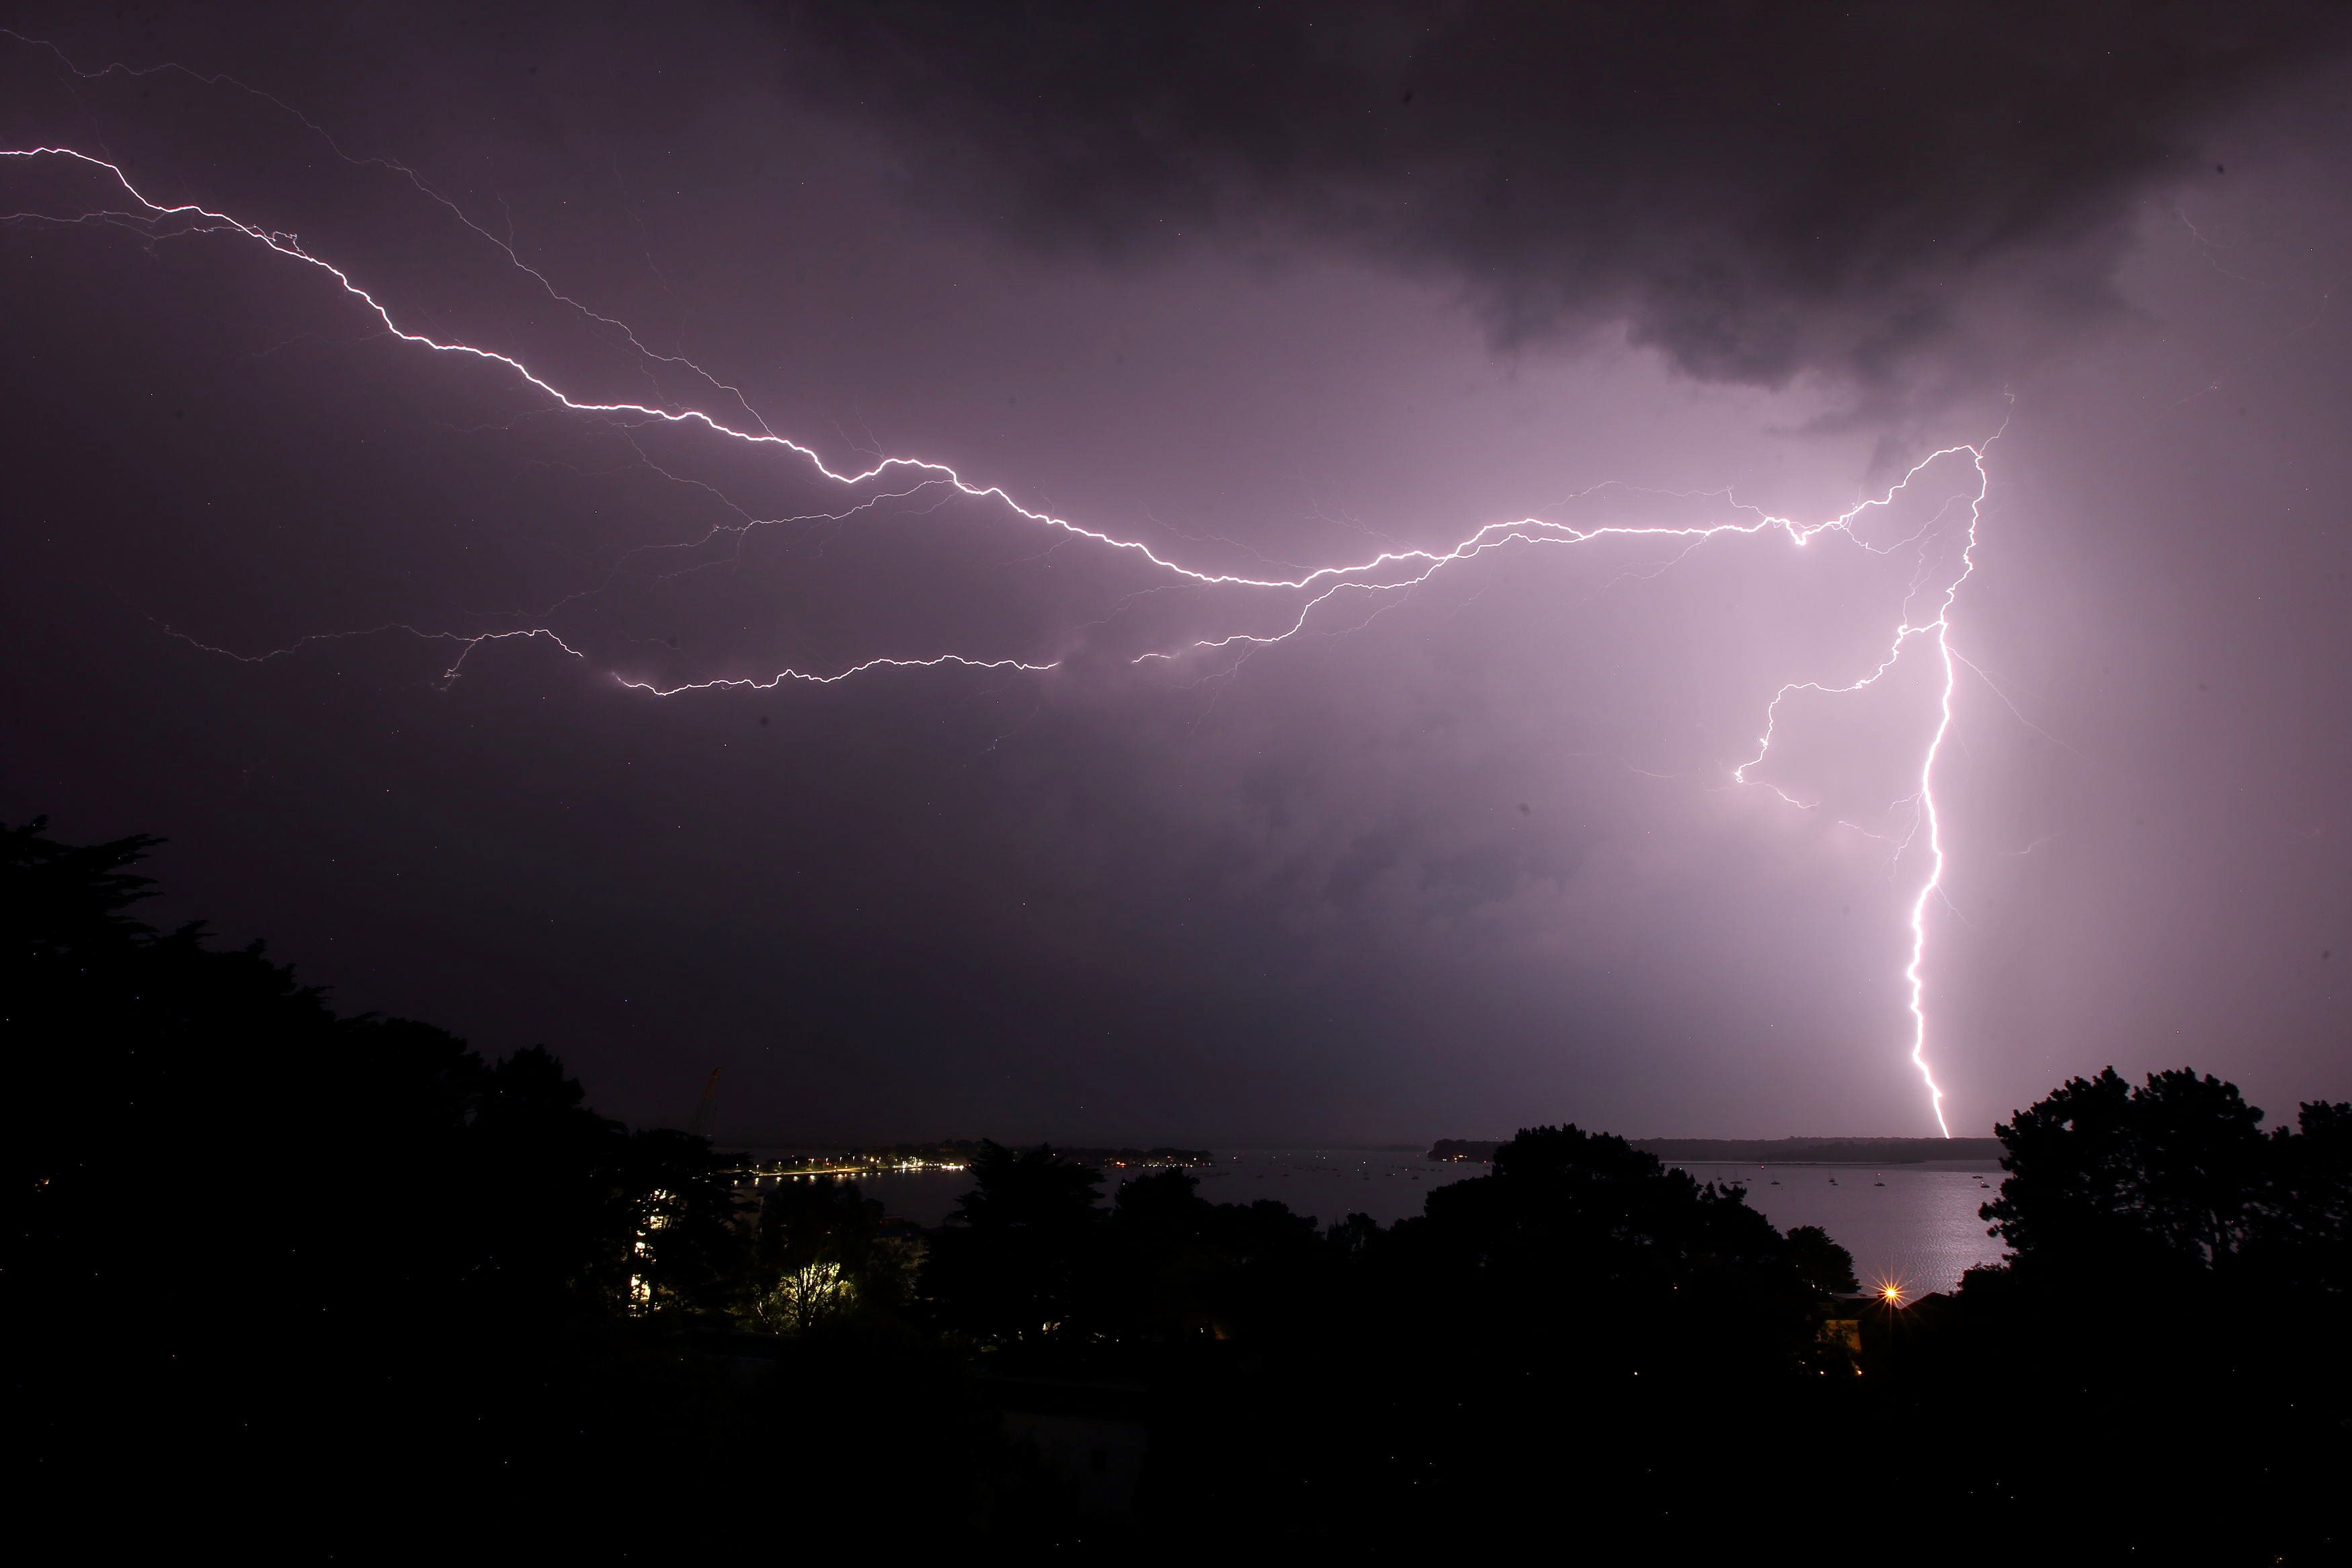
(1900, 198)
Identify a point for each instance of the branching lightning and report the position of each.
(1380, 579)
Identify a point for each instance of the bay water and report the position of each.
(1916, 1226)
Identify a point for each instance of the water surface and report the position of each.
(1920, 1228)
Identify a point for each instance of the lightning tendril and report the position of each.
(1377, 579)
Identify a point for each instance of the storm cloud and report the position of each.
(1260, 290)
(1907, 200)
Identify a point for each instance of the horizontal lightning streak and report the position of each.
(1388, 571)
(289, 246)
(783, 676)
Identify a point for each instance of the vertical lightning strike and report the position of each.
(1390, 572)
(1934, 818)
(1930, 817)
(1927, 788)
(1927, 889)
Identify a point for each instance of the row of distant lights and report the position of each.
(1889, 1292)
(869, 1167)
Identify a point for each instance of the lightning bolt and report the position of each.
(1380, 579)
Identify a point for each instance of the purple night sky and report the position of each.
(1268, 293)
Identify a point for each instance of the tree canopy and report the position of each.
(349, 1255)
(2173, 1179)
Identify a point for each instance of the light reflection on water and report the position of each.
(1921, 1228)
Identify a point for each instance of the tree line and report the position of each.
(271, 1270)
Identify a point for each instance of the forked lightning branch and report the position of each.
(1922, 630)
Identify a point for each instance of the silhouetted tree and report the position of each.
(1825, 1267)
(336, 1172)
(2306, 1237)
(689, 1249)
(2133, 1183)
(1180, 1266)
(342, 1252)
(1353, 1238)
(268, 1254)
(1583, 1250)
(2169, 1280)
(1013, 1263)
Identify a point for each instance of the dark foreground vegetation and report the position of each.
(284, 1283)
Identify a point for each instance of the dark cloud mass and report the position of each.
(1267, 289)
(1906, 197)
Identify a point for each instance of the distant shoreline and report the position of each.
(1766, 1151)
(1849, 1165)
